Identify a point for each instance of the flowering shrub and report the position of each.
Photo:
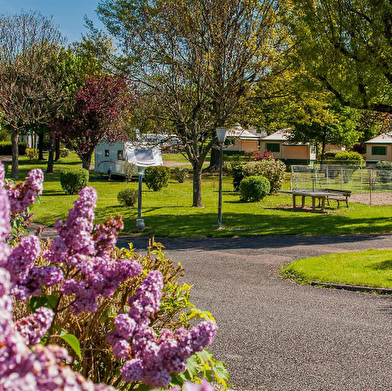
(80, 291)
(266, 155)
(273, 170)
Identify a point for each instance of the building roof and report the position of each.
(280, 135)
(238, 131)
(385, 138)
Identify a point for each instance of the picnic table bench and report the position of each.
(319, 194)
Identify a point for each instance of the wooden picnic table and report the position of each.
(314, 194)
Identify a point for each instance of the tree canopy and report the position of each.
(196, 63)
(347, 47)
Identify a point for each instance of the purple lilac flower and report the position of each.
(41, 368)
(5, 227)
(22, 258)
(75, 233)
(204, 386)
(154, 359)
(34, 326)
(105, 236)
(22, 195)
(2, 174)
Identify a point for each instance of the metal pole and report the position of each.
(139, 221)
(220, 185)
(139, 202)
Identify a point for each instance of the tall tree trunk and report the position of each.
(197, 186)
(57, 155)
(86, 161)
(214, 161)
(49, 168)
(15, 153)
(41, 145)
(323, 146)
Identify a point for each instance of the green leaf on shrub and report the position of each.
(196, 313)
(72, 341)
(49, 301)
(143, 387)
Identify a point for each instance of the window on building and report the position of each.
(120, 155)
(107, 153)
(379, 150)
(273, 147)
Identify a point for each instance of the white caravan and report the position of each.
(110, 158)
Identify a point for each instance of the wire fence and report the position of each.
(357, 179)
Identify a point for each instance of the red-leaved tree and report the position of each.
(98, 109)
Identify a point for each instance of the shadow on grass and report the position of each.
(384, 265)
(246, 224)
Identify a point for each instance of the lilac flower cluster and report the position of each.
(34, 326)
(25, 277)
(41, 368)
(5, 226)
(151, 359)
(89, 253)
(22, 195)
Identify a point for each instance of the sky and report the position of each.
(68, 15)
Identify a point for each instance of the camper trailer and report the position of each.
(110, 158)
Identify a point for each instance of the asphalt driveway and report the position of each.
(277, 335)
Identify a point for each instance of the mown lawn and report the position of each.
(168, 213)
(366, 268)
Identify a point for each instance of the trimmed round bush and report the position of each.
(74, 179)
(180, 174)
(127, 197)
(254, 188)
(156, 177)
(273, 170)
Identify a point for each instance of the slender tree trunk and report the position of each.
(86, 161)
(214, 161)
(41, 145)
(49, 168)
(15, 153)
(323, 148)
(197, 186)
(57, 154)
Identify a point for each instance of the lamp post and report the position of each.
(221, 133)
(139, 221)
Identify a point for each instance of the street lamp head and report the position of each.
(221, 133)
(140, 169)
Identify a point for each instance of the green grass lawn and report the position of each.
(366, 268)
(168, 213)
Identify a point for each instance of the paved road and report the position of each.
(277, 335)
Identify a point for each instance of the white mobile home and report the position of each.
(110, 158)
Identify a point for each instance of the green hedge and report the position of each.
(254, 188)
(74, 179)
(6, 148)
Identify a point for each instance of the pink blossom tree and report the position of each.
(99, 109)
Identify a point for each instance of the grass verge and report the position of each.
(370, 268)
(168, 213)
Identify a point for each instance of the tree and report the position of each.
(97, 111)
(28, 44)
(337, 128)
(347, 47)
(197, 63)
